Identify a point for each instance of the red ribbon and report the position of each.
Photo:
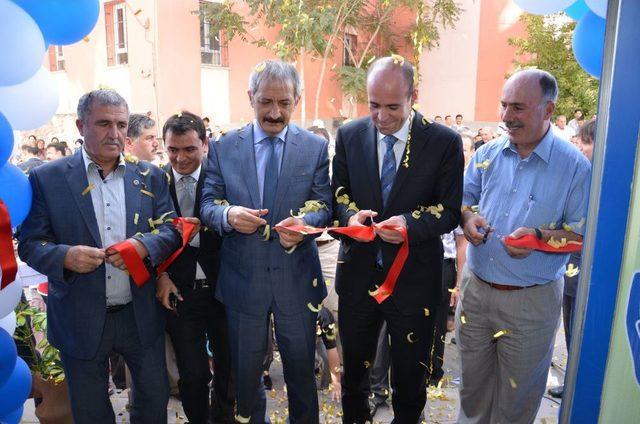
(132, 260)
(368, 234)
(530, 241)
(8, 262)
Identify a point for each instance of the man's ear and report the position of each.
(128, 142)
(549, 108)
(80, 126)
(414, 96)
(250, 94)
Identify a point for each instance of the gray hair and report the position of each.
(99, 97)
(138, 123)
(275, 70)
(389, 62)
(548, 83)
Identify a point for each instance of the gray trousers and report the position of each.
(504, 379)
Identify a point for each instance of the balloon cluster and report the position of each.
(588, 36)
(28, 99)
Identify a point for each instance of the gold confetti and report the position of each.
(513, 383)
(367, 364)
(580, 223)
(128, 157)
(145, 172)
(220, 202)
(397, 59)
(424, 121)
(88, 189)
(313, 308)
(292, 249)
(43, 243)
(241, 419)
(566, 227)
(314, 283)
(148, 193)
(327, 282)
(168, 177)
(267, 232)
(572, 271)
(463, 319)
(415, 106)
(500, 333)
(427, 312)
(137, 12)
(136, 216)
(371, 60)
(409, 337)
(336, 223)
(260, 67)
(156, 231)
(552, 226)
(352, 207)
(484, 164)
(86, 39)
(416, 214)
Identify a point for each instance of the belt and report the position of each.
(200, 284)
(504, 287)
(116, 308)
(323, 242)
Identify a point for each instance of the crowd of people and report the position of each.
(251, 278)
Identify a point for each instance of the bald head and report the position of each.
(543, 80)
(392, 67)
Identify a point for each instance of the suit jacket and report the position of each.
(434, 176)
(254, 271)
(183, 270)
(61, 217)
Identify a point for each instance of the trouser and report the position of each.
(504, 379)
(379, 375)
(436, 356)
(88, 379)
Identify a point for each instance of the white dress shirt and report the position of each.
(398, 148)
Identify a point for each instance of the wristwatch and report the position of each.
(538, 233)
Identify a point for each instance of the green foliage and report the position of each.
(548, 47)
(353, 81)
(48, 363)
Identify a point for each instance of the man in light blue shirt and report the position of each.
(526, 182)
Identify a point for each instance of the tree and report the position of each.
(548, 46)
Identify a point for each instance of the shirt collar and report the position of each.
(542, 150)
(88, 161)
(195, 174)
(403, 133)
(259, 134)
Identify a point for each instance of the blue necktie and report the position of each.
(388, 173)
(270, 177)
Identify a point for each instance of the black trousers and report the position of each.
(436, 359)
(200, 318)
(410, 343)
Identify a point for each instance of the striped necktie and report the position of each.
(388, 173)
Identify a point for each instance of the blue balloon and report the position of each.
(13, 417)
(21, 44)
(577, 10)
(63, 21)
(8, 356)
(16, 192)
(588, 43)
(16, 389)
(6, 140)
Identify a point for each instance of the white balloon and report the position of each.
(543, 7)
(9, 298)
(599, 7)
(8, 323)
(32, 103)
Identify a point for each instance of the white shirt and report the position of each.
(566, 133)
(398, 148)
(200, 275)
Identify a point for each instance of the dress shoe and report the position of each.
(375, 403)
(556, 392)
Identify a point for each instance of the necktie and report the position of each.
(187, 195)
(270, 177)
(388, 173)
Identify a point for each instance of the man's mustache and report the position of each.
(274, 121)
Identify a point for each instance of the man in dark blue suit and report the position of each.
(257, 176)
(83, 204)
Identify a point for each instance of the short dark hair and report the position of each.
(206, 119)
(138, 123)
(30, 149)
(587, 133)
(448, 116)
(59, 147)
(577, 110)
(183, 122)
(458, 116)
(437, 116)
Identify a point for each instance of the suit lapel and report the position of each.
(199, 186)
(76, 177)
(417, 144)
(291, 153)
(133, 183)
(172, 188)
(369, 147)
(247, 163)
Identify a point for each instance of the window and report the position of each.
(210, 44)
(350, 44)
(56, 58)
(115, 13)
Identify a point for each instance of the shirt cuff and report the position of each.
(225, 220)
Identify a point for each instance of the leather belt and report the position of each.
(504, 287)
(116, 308)
(200, 284)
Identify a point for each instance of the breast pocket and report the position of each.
(540, 214)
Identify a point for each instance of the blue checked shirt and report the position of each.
(547, 189)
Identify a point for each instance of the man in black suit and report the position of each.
(391, 165)
(197, 316)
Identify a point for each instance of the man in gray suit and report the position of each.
(256, 177)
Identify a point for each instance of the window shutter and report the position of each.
(108, 22)
(53, 63)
